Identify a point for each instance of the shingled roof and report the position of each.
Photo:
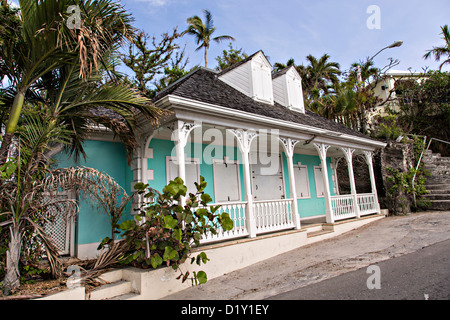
(203, 85)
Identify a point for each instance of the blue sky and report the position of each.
(296, 28)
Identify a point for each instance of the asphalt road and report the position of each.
(421, 275)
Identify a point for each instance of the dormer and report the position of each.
(252, 77)
(287, 89)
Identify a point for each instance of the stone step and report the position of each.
(111, 290)
(437, 196)
(438, 188)
(318, 233)
(126, 296)
(440, 205)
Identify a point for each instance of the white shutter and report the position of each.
(301, 181)
(320, 191)
(226, 181)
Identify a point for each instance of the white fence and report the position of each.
(367, 203)
(343, 207)
(237, 212)
(273, 215)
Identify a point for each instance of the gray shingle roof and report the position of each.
(203, 85)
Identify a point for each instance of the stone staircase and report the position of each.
(438, 183)
(117, 288)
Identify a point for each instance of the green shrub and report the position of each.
(165, 231)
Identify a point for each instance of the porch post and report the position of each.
(289, 145)
(244, 139)
(348, 152)
(181, 132)
(322, 149)
(368, 158)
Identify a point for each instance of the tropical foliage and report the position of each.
(443, 51)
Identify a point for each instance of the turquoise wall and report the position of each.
(163, 148)
(93, 224)
(312, 206)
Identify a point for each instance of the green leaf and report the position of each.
(170, 254)
(201, 277)
(170, 222)
(177, 234)
(206, 198)
(156, 260)
(140, 186)
(226, 222)
(128, 225)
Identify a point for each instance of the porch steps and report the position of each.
(438, 183)
(116, 289)
(318, 230)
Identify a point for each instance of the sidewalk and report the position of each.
(383, 239)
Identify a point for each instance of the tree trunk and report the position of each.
(11, 126)
(4, 149)
(206, 59)
(12, 277)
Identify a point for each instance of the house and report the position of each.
(267, 161)
(389, 88)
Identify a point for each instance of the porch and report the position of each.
(266, 180)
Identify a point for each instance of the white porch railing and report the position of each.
(343, 207)
(237, 212)
(366, 203)
(272, 215)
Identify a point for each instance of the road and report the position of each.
(382, 240)
(421, 275)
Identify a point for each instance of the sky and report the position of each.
(347, 30)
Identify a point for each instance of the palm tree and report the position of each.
(322, 74)
(45, 43)
(202, 31)
(443, 51)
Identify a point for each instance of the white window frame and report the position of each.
(297, 167)
(217, 182)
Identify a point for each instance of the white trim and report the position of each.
(237, 114)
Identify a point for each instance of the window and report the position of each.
(301, 181)
(320, 191)
(226, 180)
(192, 172)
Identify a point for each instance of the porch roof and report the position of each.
(203, 85)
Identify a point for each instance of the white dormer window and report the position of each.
(287, 87)
(262, 79)
(252, 77)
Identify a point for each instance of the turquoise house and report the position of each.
(269, 162)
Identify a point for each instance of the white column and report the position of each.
(244, 139)
(180, 137)
(348, 152)
(322, 149)
(368, 158)
(289, 145)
